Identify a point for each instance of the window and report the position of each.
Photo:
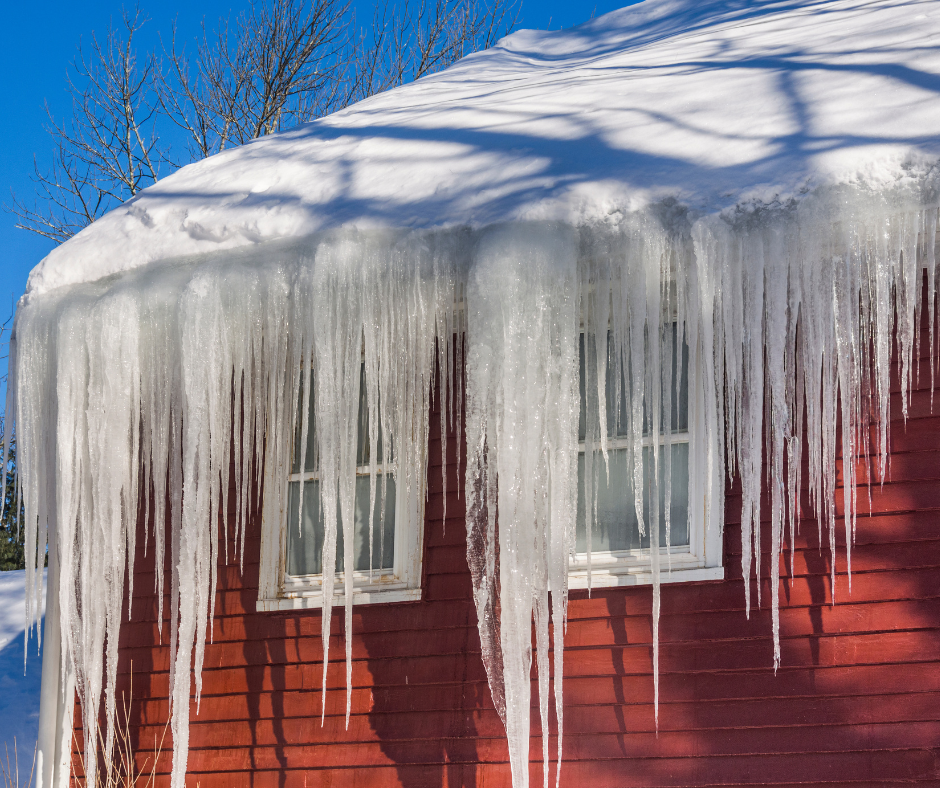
(619, 554)
(392, 575)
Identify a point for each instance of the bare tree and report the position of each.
(109, 150)
(281, 63)
(413, 39)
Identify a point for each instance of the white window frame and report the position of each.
(701, 559)
(279, 590)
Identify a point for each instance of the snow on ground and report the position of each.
(19, 692)
(712, 102)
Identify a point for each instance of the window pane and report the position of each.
(363, 449)
(305, 549)
(362, 426)
(616, 526)
(618, 418)
(310, 458)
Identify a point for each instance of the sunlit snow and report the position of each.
(19, 680)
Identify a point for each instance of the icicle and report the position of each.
(522, 418)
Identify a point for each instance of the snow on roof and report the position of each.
(711, 103)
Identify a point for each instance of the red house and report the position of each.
(485, 339)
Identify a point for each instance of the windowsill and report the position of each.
(371, 596)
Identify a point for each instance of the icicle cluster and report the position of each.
(169, 376)
(809, 306)
(146, 387)
(522, 462)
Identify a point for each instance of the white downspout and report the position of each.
(56, 695)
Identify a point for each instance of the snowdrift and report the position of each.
(19, 682)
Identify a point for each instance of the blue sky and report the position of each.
(39, 43)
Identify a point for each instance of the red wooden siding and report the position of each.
(856, 701)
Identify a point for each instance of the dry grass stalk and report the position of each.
(10, 772)
(121, 771)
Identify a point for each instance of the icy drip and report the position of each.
(145, 390)
(522, 426)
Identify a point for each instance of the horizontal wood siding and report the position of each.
(856, 701)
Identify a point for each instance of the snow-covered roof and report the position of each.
(712, 103)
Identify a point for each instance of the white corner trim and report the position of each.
(364, 597)
(56, 694)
